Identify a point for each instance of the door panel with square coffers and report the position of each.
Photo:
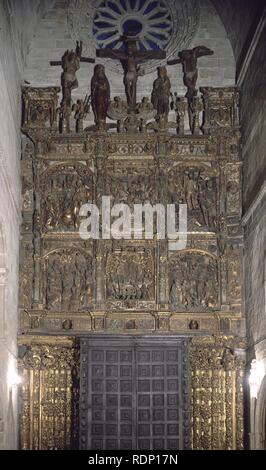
(133, 393)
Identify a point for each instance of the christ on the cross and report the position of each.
(130, 59)
(188, 58)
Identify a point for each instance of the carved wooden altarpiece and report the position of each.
(74, 291)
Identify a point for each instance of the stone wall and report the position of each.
(255, 271)
(253, 120)
(15, 34)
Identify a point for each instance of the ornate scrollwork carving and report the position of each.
(48, 368)
(217, 394)
(47, 357)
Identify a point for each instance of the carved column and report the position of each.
(240, 376)
(216, 394)
(48, 370)
(100, 297)
(37, 297)
(163, 296)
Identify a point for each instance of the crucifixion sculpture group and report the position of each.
(130, 58)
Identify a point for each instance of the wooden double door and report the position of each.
(133, 393)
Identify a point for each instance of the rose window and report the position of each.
(150, 20)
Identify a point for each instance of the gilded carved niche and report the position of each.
(193, 281)
(64, 188)
(40, 107)
(221, 109)
(68, 280)
(130, 278)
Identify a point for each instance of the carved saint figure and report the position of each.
(100, 95)
(80, 110)
(181, 107)
(188, 58)
(191, 191)
(161, 93)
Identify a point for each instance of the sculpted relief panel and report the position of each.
(64, 188)
(193, 281)
(130, 278)
(132, 189)
(197, 189)
(68, 281)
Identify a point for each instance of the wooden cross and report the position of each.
(88, 60)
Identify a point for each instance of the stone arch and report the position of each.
(260, 418)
